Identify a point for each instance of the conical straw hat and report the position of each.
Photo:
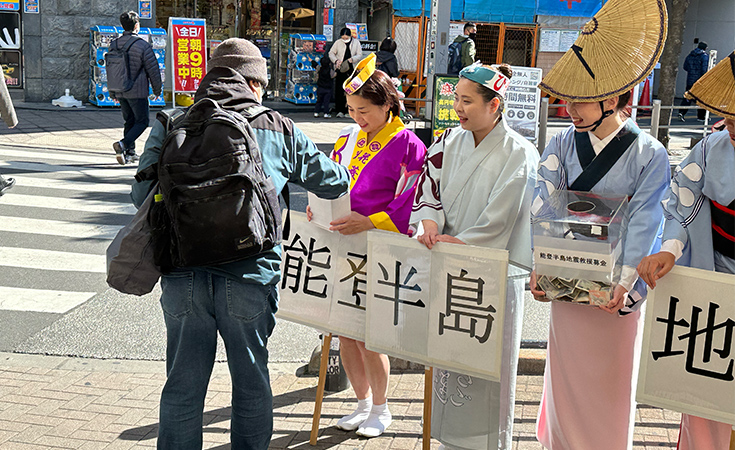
(715, 91)
(616, 50)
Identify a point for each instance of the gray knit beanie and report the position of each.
(242, 56)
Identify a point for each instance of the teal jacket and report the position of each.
(288, 156)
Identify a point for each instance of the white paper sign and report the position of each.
(307, 273)
(549, 41)
(326, 211)
(688, 357)
(349, 299)
(523, 101)
(568, 38)
(324, 279)
(441, 307)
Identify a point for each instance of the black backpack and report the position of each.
(117, 65)
(218, 203)
(455, 58)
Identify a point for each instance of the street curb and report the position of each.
(531, 361)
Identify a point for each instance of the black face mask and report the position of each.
(472, 36)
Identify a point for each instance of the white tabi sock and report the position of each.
(378, 420)
(352, 421)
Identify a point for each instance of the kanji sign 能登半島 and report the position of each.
(189, 58)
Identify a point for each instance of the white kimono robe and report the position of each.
(482, 196)
(706, 174)
(592, 356)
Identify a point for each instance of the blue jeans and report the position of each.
(196, 305)
(135, 112)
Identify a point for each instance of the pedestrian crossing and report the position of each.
(55, 225)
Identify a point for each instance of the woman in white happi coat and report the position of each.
(476, 189)
(588, 401)
(700, 221)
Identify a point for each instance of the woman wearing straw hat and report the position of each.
(384, 160)
(592, 357)
(476, 189)
(700, 221)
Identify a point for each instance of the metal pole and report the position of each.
(655, 117)
(279, 30)
(543, 123)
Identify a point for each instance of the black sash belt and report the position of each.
(723, 228)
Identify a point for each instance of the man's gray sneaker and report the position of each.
(131, 158)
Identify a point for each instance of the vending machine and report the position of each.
(100, 38)
(304, 53)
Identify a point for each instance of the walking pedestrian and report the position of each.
(237, 300)
(7, 111)
(345, 53)
(695, 64)
(588, 401)
(700, 232)
(143, 68)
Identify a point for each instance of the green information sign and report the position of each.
(444, 115)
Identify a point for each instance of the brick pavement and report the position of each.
(70, 403)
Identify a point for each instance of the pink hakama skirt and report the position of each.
(590, 378)
(697, 433)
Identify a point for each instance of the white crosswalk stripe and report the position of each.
(55, 225)
(50, 183)
(40, 300)
(30, 258)
(68, 204)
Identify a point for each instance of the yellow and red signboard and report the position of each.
(189, 44)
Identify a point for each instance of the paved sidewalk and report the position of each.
(55, 402)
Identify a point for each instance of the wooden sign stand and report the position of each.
(324, 362)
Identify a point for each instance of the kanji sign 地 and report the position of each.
(688, 357)
(188, 40)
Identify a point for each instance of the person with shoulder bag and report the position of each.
(345, 53)
(210, 290)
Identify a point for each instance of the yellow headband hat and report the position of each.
(364, 70)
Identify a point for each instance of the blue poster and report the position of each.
(571, 8)
(144, 9)
(30, 7)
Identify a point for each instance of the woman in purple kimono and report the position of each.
(384, 160)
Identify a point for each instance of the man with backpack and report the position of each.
(131, 64)
(237, 299)
(462, 51)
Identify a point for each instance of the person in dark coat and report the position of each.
(324, 87)
(134, 102)
(387, 61)
(696, 65)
